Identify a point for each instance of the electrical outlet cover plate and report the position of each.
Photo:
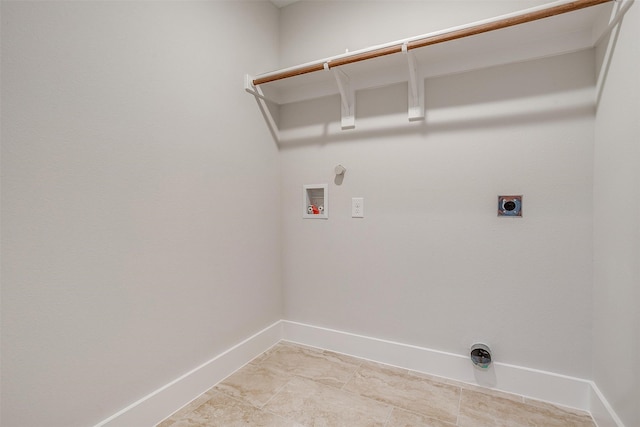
(357, 207)
(510, 206)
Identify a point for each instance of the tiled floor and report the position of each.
(291, 385)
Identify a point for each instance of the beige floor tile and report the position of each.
(224, 411)
(322, 366)
(295, 386)
(402, 418)
(314, 404)
(492, 392)
(437, 379)
(190, 407)
(343, 357)
(483, 410)
(397, 387)
(254, 384)
(390, 369)
(469, 386)
(263, 356)
(553, 407)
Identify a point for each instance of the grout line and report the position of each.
(386, 423)
(459, 407)
(278, 391)
(259, 408)
(281, 417)
(236, 398)
(353, 374)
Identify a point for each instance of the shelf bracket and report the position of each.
(618, 11)
(416, 87)
(347, 98)
(262, 100)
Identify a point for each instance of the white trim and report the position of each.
(161, 403)
(601, 411)
(533, 383)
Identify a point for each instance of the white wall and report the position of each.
(431, 264)
(140, 210)
(314, 29)
(616, 349)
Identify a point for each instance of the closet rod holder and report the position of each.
(468, 30)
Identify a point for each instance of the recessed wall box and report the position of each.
(510, 206)
(315, 201)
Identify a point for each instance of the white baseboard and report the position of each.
(536, 384)
(602, 413)
(156, 406)
(547, 386)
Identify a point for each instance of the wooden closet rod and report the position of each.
(427, 40)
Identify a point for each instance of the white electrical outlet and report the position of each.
(357, 207)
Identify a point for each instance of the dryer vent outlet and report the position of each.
(481, 355)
